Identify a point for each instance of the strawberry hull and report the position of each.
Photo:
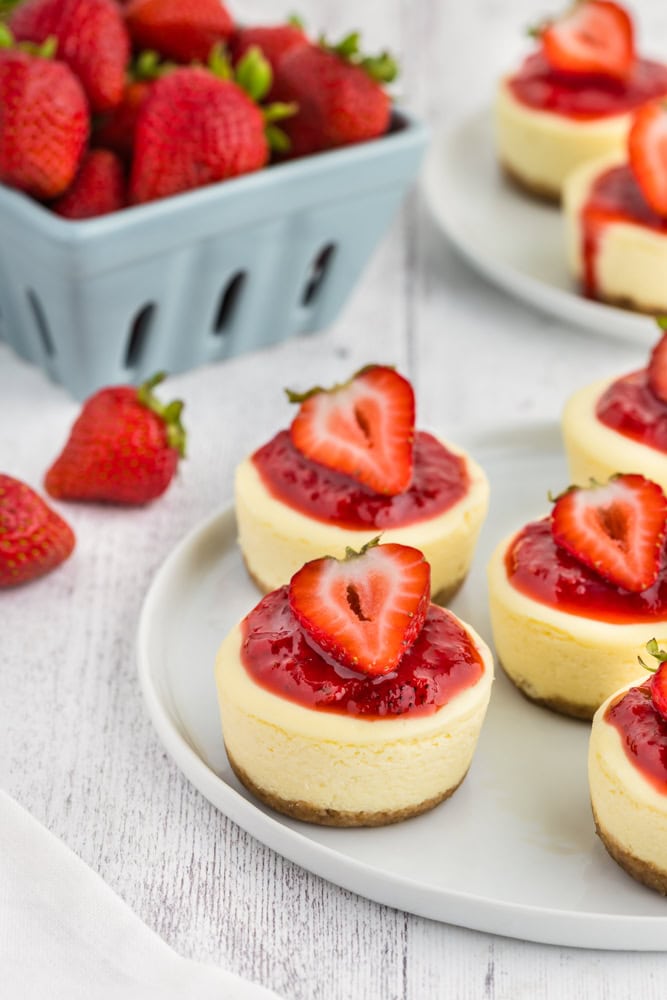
(202, 276)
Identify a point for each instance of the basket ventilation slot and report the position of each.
(139, 330)
(319, 269)
(229, 303)
(41, 322)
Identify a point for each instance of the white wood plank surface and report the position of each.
(76, 746)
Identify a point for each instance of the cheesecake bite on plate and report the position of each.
(616, 219)
(350, 466)
(347, 698)
(573, 594)
(627, 772)
(620, 424)
(572, 99)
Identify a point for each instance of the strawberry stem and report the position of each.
(6, 37)
(301, 397)
(655, 651)
(296, 21)
(351, 553)
(254, 74)
(171, 413)
(149, 66)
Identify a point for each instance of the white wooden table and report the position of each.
(76, 745)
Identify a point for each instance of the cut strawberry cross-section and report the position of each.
(616, 529)
(592, 37)
(366, 610)
(363, 428)
(647, 153)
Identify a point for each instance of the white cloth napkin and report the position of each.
(64, 935)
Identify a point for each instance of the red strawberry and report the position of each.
(274, 41)
(185, 30)
(366, 610)
(363, 428)
(592, 37)
(92, 40)
(647, 151)
(194, 129)
(616, 529)
(116, 130)
(33, 538)
(338, 94)
(658, 683)
(657, 366)
(123, 448)
(44, 124)
(99, 188)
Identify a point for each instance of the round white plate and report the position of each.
(513, 240)
(514, 851)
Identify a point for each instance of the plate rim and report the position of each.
(567, 928)
(597, 317)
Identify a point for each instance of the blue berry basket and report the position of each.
(201, 276)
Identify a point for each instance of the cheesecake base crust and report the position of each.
(562, 706)
(543, 192)
(310, 813)
(442, 597)
(642, 871)
(630, 304)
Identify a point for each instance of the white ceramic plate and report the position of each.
(513, 240)
(513, 851)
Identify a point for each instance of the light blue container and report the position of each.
(201, 276)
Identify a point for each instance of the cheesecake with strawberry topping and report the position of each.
(627, 773)
(616, 219)
(347, 698)
(351, 466)
(572, 100)
(573, 595)
(620, 424)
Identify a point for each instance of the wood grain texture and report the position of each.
(76, 745)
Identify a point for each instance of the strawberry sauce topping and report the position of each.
(539, 86)
(630, 407)
(545, 572)
(643, 732)
(614, 197)
(439, 480)
(441, 663)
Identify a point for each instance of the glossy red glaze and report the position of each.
(542, 88)
(614, 197)
(643, 732)
(441, 662)
(631, 408)
(543, 571)
(439, 479)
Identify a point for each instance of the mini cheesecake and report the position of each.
(291, 508)
(559, 111)
(620, 425)
(339, 745)
(566, 635)
(627, 770)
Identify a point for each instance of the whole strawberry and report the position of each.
(44, 124)
(339, 95)
(194, 129)
(33, 538)
(185, 30)
(98, 188)
(123, 448)
(92, 40)
(115, 130)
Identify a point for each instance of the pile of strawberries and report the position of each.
(105, 104)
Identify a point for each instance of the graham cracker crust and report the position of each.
(299, 809)
(540, 191)
(642, 871)
(561, 705)
(631, 305)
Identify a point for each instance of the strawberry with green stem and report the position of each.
(124, 447)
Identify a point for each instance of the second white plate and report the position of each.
(514, 852)
(515, 241)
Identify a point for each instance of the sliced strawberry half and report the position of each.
(363, 428)
(647, 152)
(658, 683)
(657, 366)
(592, 37)
(616, 529)
(366, 610)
